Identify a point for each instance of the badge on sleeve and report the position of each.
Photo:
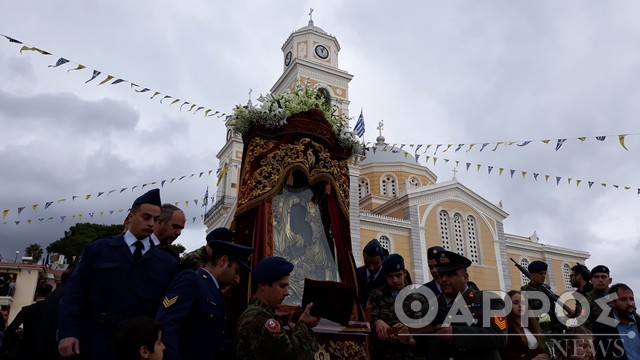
(500, 322)
(168, 302)
(272, 325)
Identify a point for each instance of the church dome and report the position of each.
(381, 152)
(311, 27)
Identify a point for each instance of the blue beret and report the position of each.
(220, 233)
(235, 252)
(271, 269)
(392, 263)
(373, 248)
(433, 251)
(537, 266)
(449, 261)
(599, 269)
(150, 197)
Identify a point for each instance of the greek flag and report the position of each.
(359, 128)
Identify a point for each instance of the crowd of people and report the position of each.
(131, 297)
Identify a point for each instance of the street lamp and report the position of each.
(16, 259)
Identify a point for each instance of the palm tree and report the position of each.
(35, 251)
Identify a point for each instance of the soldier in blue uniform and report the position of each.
(117, 278)
(193, 310)
(369, 274)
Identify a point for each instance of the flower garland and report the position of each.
(275, 109)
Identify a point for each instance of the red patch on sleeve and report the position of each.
(272, 325)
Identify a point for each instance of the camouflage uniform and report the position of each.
(381, 307)
(594, 309)
(261, 336)
(195, 259)
(555, 326)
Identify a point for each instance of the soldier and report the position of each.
(369, 274)
(199, 257)
(433, 285)
(193, 311)
(538, 273)
(382, 316)
(117, 278)
(483, 338)
(260, 335)
(600, 280)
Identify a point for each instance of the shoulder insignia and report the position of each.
(472, 295)
(168, 302)
(272, 325)
(500, 322)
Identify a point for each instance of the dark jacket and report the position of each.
(29, 317)
(608, 343)
(364, 289)
(193, 318)
(107, 287)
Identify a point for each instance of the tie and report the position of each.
(371, 278)
(137, 253)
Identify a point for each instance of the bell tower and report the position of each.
(310, 56)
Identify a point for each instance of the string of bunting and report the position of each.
(48, 204)
(79, 217)
(114, 80)
(498, 144)
(523, 173)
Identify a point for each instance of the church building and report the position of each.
(395, 199)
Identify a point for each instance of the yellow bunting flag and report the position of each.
(5, 213)
(34, 207)
(524, 174)
(546, 178)
(79, 67)
(500, 171)
(578, 182)
(546, 141)
(621, 139)
(479, 166)
(87, 197)
(471, 147)
(109, 77)
(497, 144)
(582, 138)
(448, 147)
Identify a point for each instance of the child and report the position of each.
(139, 338)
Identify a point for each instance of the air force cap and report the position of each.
(449, 261)
(374, 248)
(236, 252)
(271, 269)
(150, 197)
(220, 233)
(433, 251)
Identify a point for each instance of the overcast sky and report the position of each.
(447, 72)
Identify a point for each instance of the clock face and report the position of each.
(287, 59)
(322, 52)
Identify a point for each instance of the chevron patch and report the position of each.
(500, 322)
(168, 302)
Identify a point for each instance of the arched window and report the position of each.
(389, 185)
(525, 280)
(444, 230)
(473, 240)
(566, 275)
(458, 234)
(414, 182)
(385, 242)
(363, 187)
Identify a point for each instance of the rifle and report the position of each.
(544, 289)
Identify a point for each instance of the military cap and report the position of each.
(236, 252)
(221, 233)
(373, 248)
(537, 266)
(271, 269)
(449, 261)
(599, 269)
(150, 197)
(392, 263)
(433, 251)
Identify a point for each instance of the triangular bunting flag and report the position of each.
(600, 138)
(559, 144)
(511, 171)
(500, 170)
(489, 168)
(79, 67)
(558, 179)
(590, 184)
(60, 61)
(471, 147)
(468, 164)
(483, 146)
(106, 80)
(621, 139)
(497, 144)
(95, 75)
(535, 176)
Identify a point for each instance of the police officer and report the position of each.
(369, 274)
(601, 281)
(117, 278)
(199, 257)
(455, 338)
(260, 334)
(382, 315)
(193, 310)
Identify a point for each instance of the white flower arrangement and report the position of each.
(275, 109)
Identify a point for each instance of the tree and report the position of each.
(78, 235)
(177, 248)
(35, 251)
